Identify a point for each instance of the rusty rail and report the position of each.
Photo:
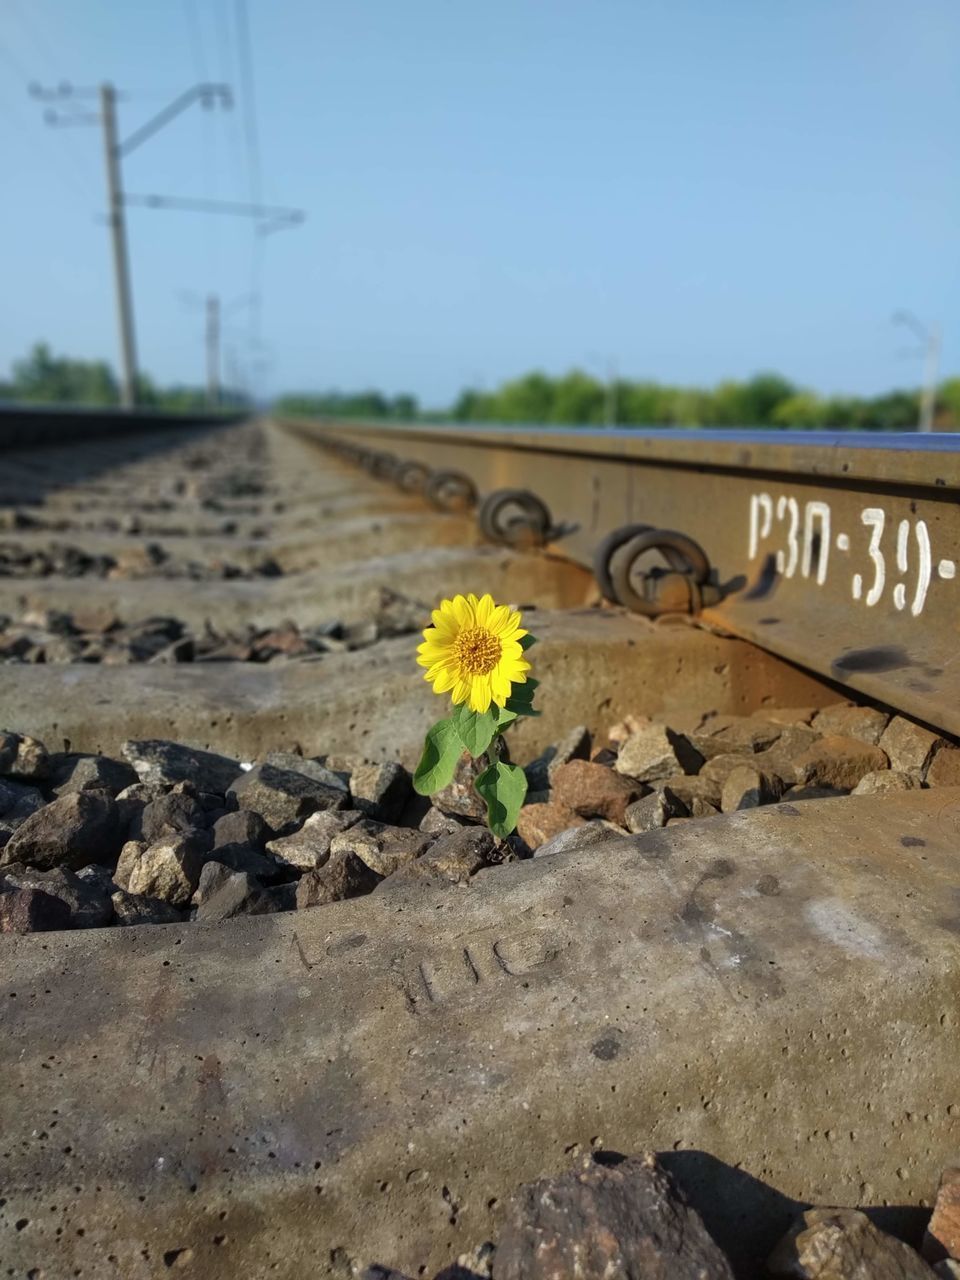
(839, 553)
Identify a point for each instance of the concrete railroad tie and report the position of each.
(778, 988)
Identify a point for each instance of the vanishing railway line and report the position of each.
(361, 1026)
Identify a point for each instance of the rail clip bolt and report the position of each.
(515, 517)
(643, 585)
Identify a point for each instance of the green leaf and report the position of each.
(503, 788)
(442, 749)
(527, 641)
(520, 702)
(476, 728)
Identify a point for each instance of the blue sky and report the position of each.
(688, 189)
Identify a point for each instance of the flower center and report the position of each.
(477, 650)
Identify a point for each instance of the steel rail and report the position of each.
(840, 553)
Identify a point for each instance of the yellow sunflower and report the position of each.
(473, 651)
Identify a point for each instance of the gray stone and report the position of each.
(585, 836)
(73, 772)
(749, 735)
(15, 795)
(129, 858)
(623, 1217)
(454, 857)
(240, 894)
(160, 761)
(437, 823)
(843, 1244)
(909, 746)
(881, 781)
(284, 798)
(747, 787)
(460, 796)
(241, 827)
(654, 751)
(690, 787)
(865, 723)
(654, 811)
(246, 857)
(212, 876)
(170, 869)
(718, 768)
(309, 848)
(343, 875)
(380, 791)
(133, 909)
(87, 900)
(575, 745)
(142, 792)
(30, 910)
(167, 816)
(22, 756)
(293, 763)
(383, 848)
(81, 827)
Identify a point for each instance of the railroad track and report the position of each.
(358, 1032)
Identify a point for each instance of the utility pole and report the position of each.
(213, 350)
(118, 236)
(930, 340)
(268, 218)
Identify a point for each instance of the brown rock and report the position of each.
(839, 762)
(909, 746)
(846, 721)
(74, 830)
(30, 910)
(703, 808)
(654, 811)
(654, 751)
(881, 781)
(623, 1219)
(944, 769)
(843, 1244)
(942, 1238)
(539, 823)
(747, 787)
(719, 768)
(789, 715)
(383, 848)
(342, 876)
(594, 791)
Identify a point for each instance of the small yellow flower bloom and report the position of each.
(473, 651)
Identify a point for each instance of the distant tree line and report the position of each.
(577, 398)
(44, 378)
(360, 404)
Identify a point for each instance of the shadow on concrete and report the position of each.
(747, 1217)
